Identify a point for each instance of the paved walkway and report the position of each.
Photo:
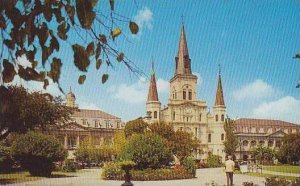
(204, 177)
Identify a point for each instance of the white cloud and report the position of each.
(162, 86)
(286, 108)
(144, 19)
(137, 92)
(255, 90)
(90, 106)
(199, 81)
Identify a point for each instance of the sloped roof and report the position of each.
(86, 113)
(263, 123)
(219, 94)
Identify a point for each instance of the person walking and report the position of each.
(229, 168)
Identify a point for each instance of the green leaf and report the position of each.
(120, 57)
(62, 30)
(28, 74)
(8, 72)
(90, 49)
(98, 51)
(54, 73)
(81, 59)
(46, 52)
(9, 43)
(71, 12)
(102, 38)
(31, 54)
(104, 78)
(81, 79)
(134, 28)
(2, 22)
(115, 33)
(98, 64)
(54, 45)
(85, 12)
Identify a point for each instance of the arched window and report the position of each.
(253, 143)
(184, 94)
(174, 115)
(155, 114)
(200, 117)
(245, 143)
(190, 95)
(217, 118)
(209, 138)
(222, 137)
(270, 143)
(222, 117)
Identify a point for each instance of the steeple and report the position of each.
(183, 62)
(152, 94)
(219, 102)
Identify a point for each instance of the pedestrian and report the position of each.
(229, 168)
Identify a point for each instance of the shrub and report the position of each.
(38, 152)
(6, 161)
(248, 184)
(214, 161)
(190, 165)
(146, 151)
(277, 181)
(69, 166)
(137, 126)
(113, 171)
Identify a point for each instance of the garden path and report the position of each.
(204, 177)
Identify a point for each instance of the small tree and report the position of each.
(147, 151)
(38, 152)
(290, 150)
(21, 110)
(263, 154)
(119, 142)
(231, 142)
(214, 161)
(137, 126)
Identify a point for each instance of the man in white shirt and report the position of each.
(229, 169)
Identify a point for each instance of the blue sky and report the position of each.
(253, 41)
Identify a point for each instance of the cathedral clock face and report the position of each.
(188, 110)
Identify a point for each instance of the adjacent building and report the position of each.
(184, 110)
(268, 133)
(95, 126)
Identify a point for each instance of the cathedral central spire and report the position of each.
(183, 62)
(219, 95)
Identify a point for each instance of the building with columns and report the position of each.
(268, 133)
(184, 110)
(94, 126)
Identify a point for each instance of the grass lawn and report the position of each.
(283, 168)
(265, 175)
(24, 176)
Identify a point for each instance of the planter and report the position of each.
(127, 166)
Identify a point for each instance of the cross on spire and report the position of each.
(182, 19)
(219, 69)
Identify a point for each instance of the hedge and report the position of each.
(113, 171)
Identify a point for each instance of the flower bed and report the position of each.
(113, 171)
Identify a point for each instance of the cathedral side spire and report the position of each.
(183, 62)
(152, 93)
(219, 95)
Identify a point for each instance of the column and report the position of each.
(66, 141)
(78, 142)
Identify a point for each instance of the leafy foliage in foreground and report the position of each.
(290, 151)
(37, 152)
(137, 126)
(38, 29)
(21, 110)
(147, 151)
(113, 171)
(214, 161)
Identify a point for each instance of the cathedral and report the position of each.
(184, 110)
